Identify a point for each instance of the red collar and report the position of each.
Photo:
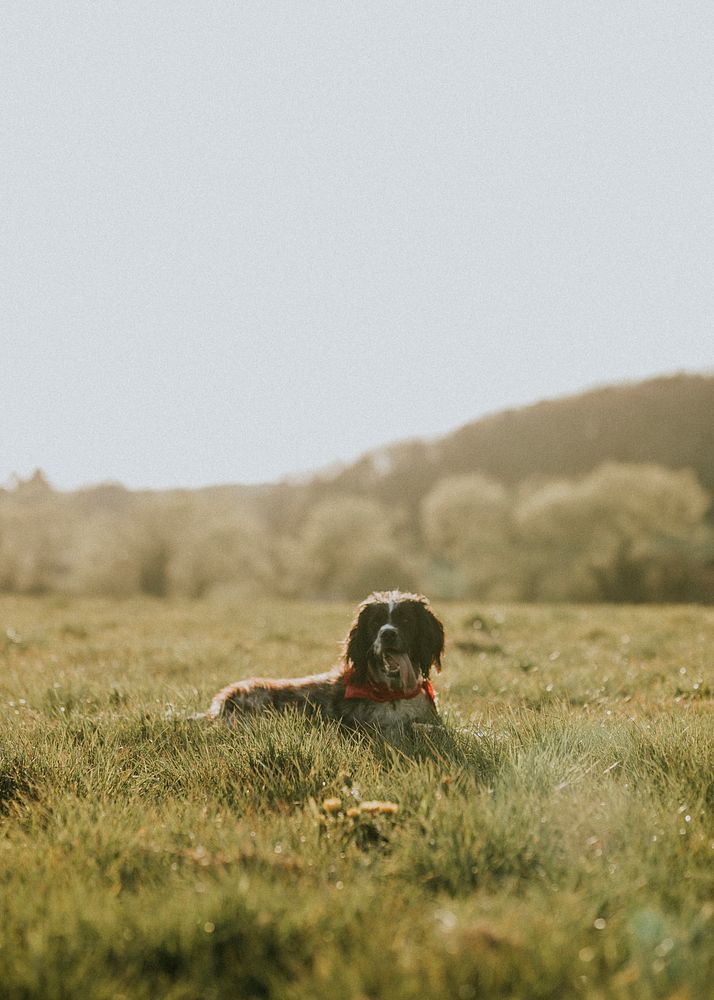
(380, 692)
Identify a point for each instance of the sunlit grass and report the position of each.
(556, 839)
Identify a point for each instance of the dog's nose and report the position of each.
(389, 636)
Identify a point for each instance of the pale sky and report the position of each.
(245, 239)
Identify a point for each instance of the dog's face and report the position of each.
(395, 640)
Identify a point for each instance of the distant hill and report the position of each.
(666, 420)
(281, 538)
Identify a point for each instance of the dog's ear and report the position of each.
(357, 645)
(430, 642)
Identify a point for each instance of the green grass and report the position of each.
(556, 839)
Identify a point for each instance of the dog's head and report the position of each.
(395, 640)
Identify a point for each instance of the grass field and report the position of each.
(555, 840)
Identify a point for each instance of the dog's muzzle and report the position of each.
(397, 668)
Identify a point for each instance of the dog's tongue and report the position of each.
(407, 675)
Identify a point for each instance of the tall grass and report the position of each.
(555, 839)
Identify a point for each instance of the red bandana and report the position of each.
(380, 692)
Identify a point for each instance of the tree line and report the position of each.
(620, 532)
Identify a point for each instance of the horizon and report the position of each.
(249, 242)
(337, 465)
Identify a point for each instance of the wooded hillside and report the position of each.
(666, 421)
(601, 496)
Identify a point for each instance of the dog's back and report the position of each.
(318, 693)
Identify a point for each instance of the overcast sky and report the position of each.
(245, 239)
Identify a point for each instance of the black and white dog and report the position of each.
(382, 680)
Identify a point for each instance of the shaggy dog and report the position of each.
(382, 680)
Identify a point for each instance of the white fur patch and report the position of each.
(395, 714)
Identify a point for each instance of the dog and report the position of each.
(381, 682)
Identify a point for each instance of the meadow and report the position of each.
(555, 839)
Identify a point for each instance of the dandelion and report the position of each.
(379, 807)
